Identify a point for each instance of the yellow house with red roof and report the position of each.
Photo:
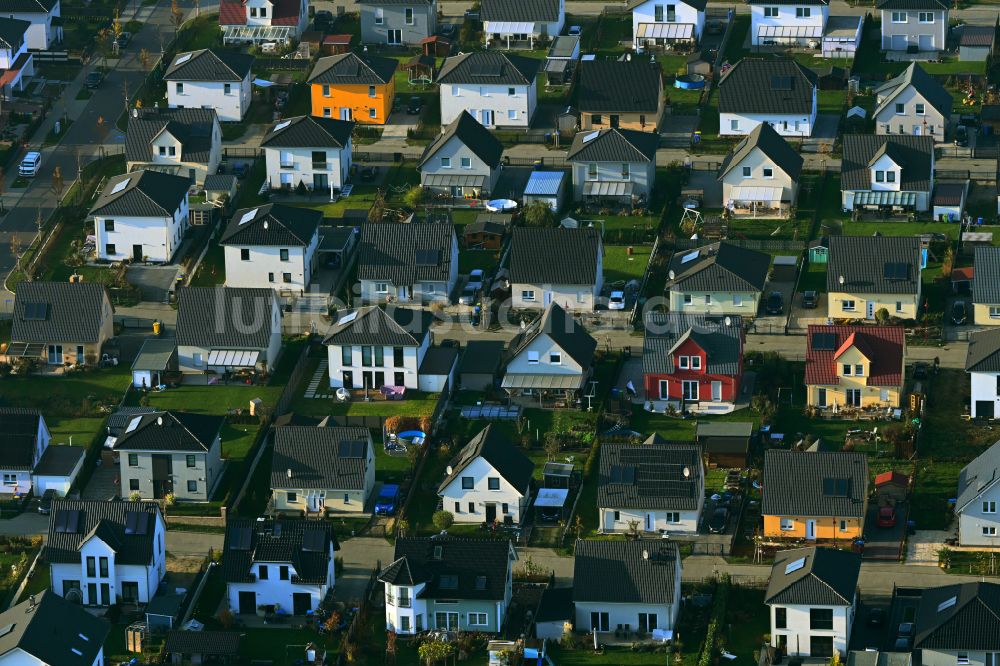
(855, 367)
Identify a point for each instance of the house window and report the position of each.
(920, 109)
(262, 572)
(899, 306)
(843, 526)
(747, 172)
(592, 171)
(821, 397)
(595, 119)
(91, 567)
(511, 114)
(821, 618)
(780, 618)
(458, 507)
(263, 12)
(683, 362)
(989, 507)
(283, 572)
(445, 162)
(852, 397)
(371, 91)
(696, 362)
(990, 531)
(505, 508)
(283, 254)
(734, 124)
(110, 250)
(528, 295)
(899, 17)
(787, 524)
(381, 288)
(346, 352)
(379, 16)
(133, 484)
(372, 113)
(737, 300)
(880, 176)
(227, 88)
(244, 254)
(466, 162)
(472, 507)
(962, 657)
(658, 13)
(326, 90)
(708, 299)
(859, 370)
(847, 305)
(803, 12)
(191, 460)
(192, 486)
(408, 15)
(511, 92)
(768, 172)
(366, 356)
(286, 278)
(625, 171)
(555, 358)
(890, 176)
(133, 460)
(103, 567)
(770, 12)
(478, 619)
(687, 299)
(926, 17)
(180, 88)
(533, 358)
(468, 483)
(673, 516)
(109, 225)
(493, 483)
(291, 498)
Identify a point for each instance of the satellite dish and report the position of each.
(687, 472)
(289, 472)
(729, 321)
(135, 113)
(448, 470)
(841, 279)
(670, 274)
(265, 225)
(159, 420)
(343, 395)
(645, 554)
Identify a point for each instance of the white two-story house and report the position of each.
(787, 22)
(464, 161)
(314, 153)
(982, 363)
(141, 216)
(812, 596)
(885, 172)
(448, 583)
(518, 25)
(377, 346)
(44, 17)
(498, 89)
(213, 78)
(760, 176)
(489, 480)
(16, 61)
(658, 23)
(104, 552)
(407, 263)
(778, 91)
(977, 500)
(912, 103)
(917, 25)
(183, 142)
(272, 246)
(262, 21)
(278, 565)
(615, 166)
(559, 266)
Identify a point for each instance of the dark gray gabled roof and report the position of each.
(867, 264)
(489, 68)
(815, 484)
(191, 127)
(501, 454)
(964, 617)
(353, 69)
(938, 5)
(171, 431)
(914, 154)
(481, 357)
(925, 84)
(218, 643)
(474, 136)
(53, 631)
(641, 571)
(381, 325)
(50, 312)
(144, 194)
(325, 458)
(986, 282)
(18, 437)
(976, 477)
(405, 253)
(72, 522)
(272, 225)
(719, 267)
(813, 577)
(563, 330)
(26, 6)
(225, 317)
(767, 86)
(302, 544)
(554, 255)
(723, 344)
(12, 32)
(59, 460)
(614, 145)
(650, 475)
(766, 139)
(209, 65)
(983, 354)
(452, 567)
(619, 86)
(546, 11)
(308, 132)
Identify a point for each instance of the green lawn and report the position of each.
(814, 278)
(472, 259)
(621, 266)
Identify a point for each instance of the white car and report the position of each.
(616, 301)
(30, 164)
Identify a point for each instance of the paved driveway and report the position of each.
(922, 548)
(885, 543)
(360, 554)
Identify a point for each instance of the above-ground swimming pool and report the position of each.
(689, 82)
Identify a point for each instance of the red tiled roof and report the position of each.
(891, 476)
(964, 274)
(337, 39)
(882, 345)
(232, 12)
(286, 12)
(9, 76)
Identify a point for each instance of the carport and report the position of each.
(550, 504)
(784, 268)
(156, 357)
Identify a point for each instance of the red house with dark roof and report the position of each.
(855, 367)
(260, 21)
(692, 362)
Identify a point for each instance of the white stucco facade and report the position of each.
(282, 268)
(469, 505)
(791, 125)
(659, 520)
(492, 105)
(771, 23)
(230, 99)
(909, 112)
(359, 375)
(797, 633)
(667, 12)
(154, 239)
(925, 29)
(166, 150)
(194, 359)
(985, 401)
(41, 34)
(316, 168)
(278, 589)
(978, 520)
(21, 480)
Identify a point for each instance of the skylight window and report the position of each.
(120, 186)
(77, 652)
(282, 125)
(249, 215)
(795, 565)
(348, 318)
(590, 137)
(183, 59)
(947, 603)
(133, 424)
(691, 256)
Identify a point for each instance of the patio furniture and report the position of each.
(393, 392)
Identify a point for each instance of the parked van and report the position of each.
(30, 165)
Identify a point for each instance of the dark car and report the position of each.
(388, 498)
(448, 30)
(368, 173)
(469, 295)
(920, 370)
(968, 120)
(876, 617)
(94, 79)
(720, 518)
(323, 21)
(775, 303)
(809, 300)
(414, 106)
(961, 136)
(45, 505)
(959, 313)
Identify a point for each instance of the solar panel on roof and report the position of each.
(36, 311)
(824, 341)
(480, 582)
(351, 449)
(427, 257)
(494, 69)
(622, 474)
(781, 83)
(896, 270)
(137, 523)
(312, 540)
(67, 521)
(239, 538)
(836, 487)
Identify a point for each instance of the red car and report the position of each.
(887, 516)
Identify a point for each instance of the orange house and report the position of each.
(352, 87)
(814, 495)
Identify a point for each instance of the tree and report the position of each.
(390, 646)
(443, 519)
(948, 263)
(434, 651)
(145, 59)
(552, 445)
(882, 316)
(176, 15)
(415, 197)
(135, 496)
(116, 31)
(15, 251)
(761, 404)
(538, 214)
(57, 181)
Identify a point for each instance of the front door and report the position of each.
(347, 379)
(487, 116)
(105, 594)
(615, 120)
(811, 530)
(394, 37)
(79, 354)
(870, 310)
(399, 379)
(916, 130)
(345, 114)
(137, 252)
(650, 521)
(55, 354)
(664, 389)
(403, 293)
(248, 603)
(690, 390)
(821, 397)
(321, 182)
(301, 603)
(491, 512)
(92, 594)
(716, 391)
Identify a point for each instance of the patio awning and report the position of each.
(25, 349)
(509, 27)
(256, 33)
(233, 358)
(453, 180)
(885, 198)
(607, 188)
(676, 31)
(551, 497)
(755, 194)
(554, 382)
(790, 31)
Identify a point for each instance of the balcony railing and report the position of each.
(397, 601)
(287, 165)
(320, 166)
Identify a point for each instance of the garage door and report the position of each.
(926, 42)
(984, 409)
(899, 42)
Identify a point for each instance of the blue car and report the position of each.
(388, 498)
